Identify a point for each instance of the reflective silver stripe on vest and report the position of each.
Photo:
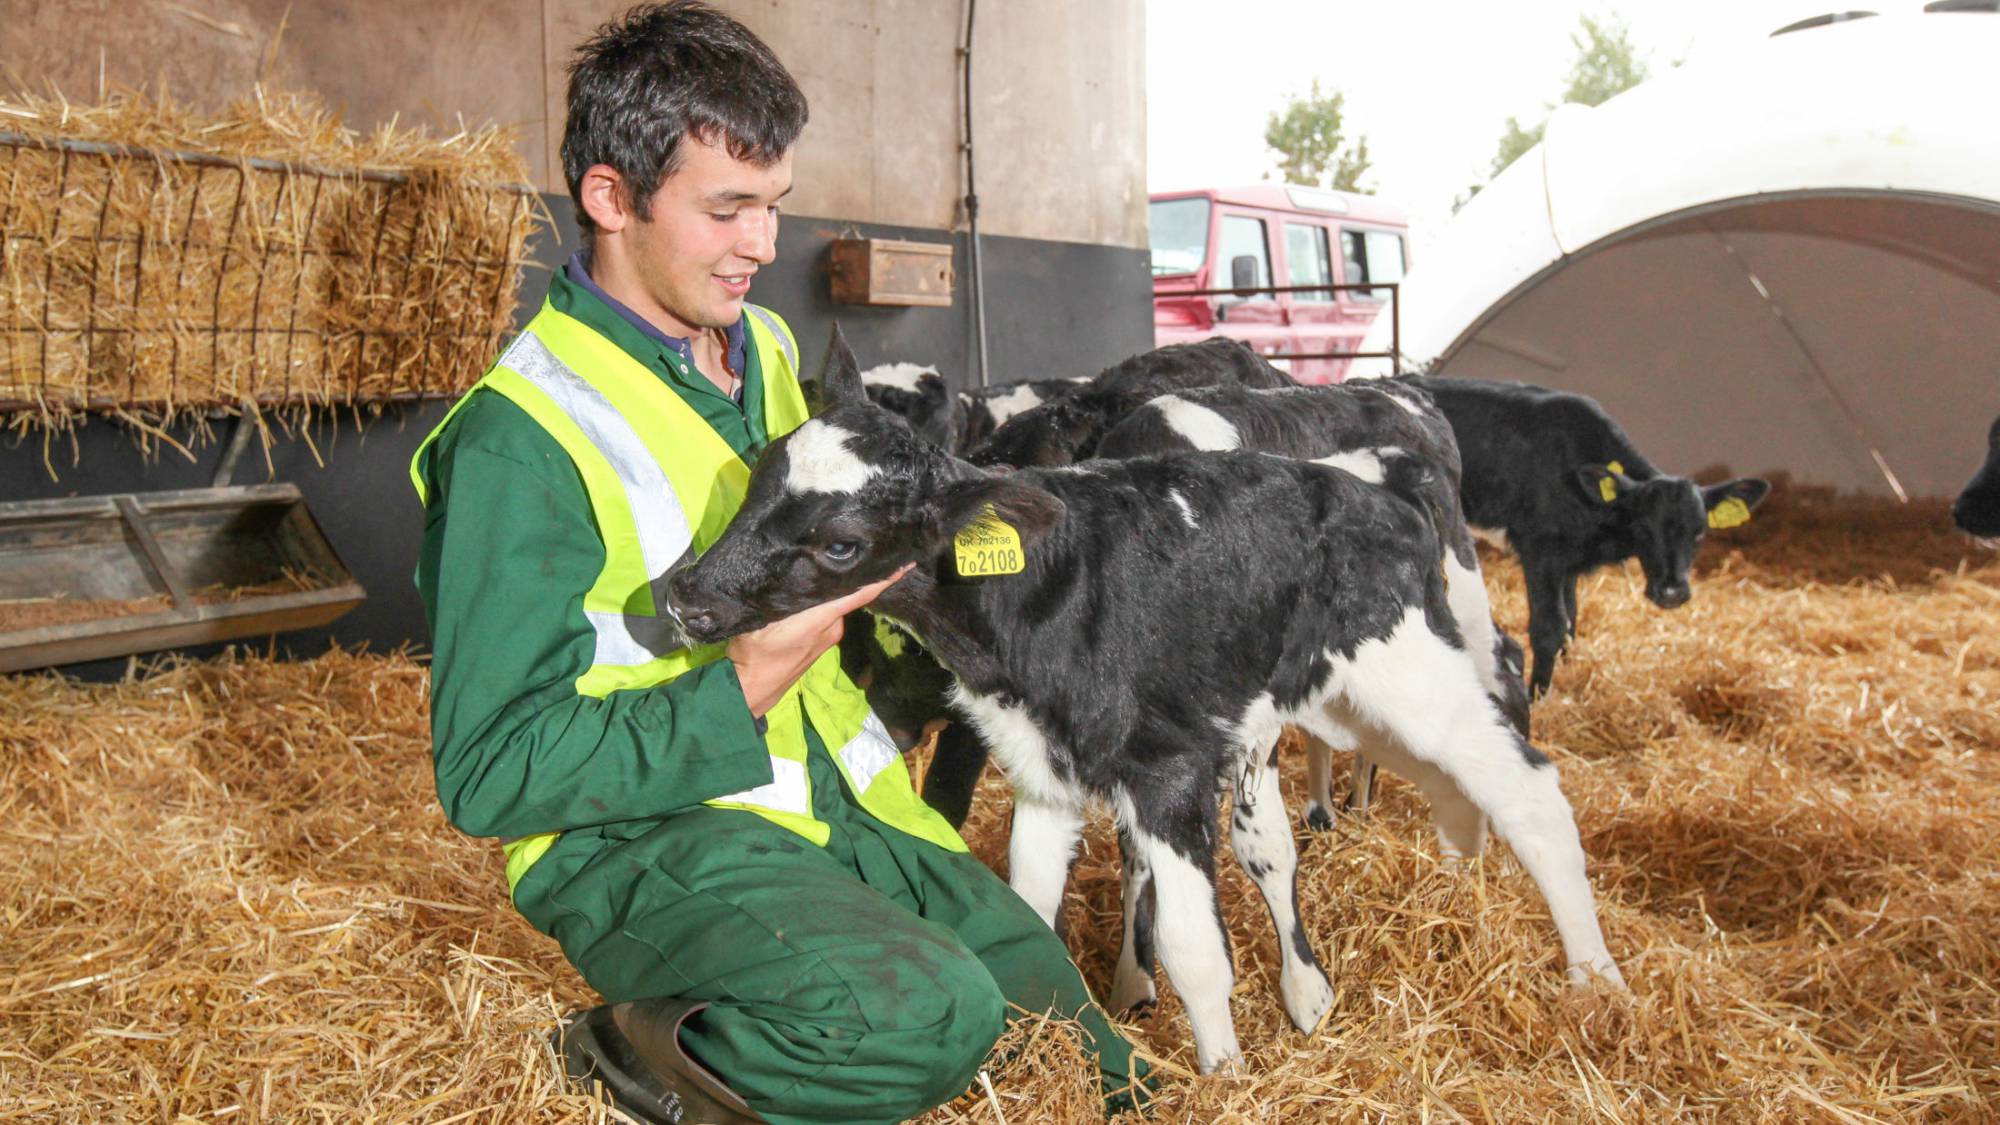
(870, 752)
(777, 333)
(622, 639)
(785, 792)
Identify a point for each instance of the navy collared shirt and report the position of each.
(578, 272)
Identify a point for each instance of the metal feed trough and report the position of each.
(99, 576)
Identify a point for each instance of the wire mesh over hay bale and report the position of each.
(229, 892)
(152, 261)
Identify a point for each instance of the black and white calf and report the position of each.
(1572, 493)
(920, 395)
(1067, 430)
(1977, 509)
(1354, 426)
(1172, 615)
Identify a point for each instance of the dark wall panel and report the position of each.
(1053, 309)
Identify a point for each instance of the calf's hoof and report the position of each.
(1317, 818)
(1597, 973)
(1227, 1064)
(1308, 997)
(1134, 993)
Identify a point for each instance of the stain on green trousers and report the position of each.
(860, 982)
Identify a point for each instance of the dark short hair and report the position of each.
(662, 72)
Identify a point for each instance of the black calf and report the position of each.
(1977, 510)
(1572, 493)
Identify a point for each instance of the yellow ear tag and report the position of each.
(1608, 488)
(1732, 512)
(988, 545)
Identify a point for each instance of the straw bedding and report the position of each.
(229, 894)
(156, 261)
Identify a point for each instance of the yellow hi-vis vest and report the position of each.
(658, 478)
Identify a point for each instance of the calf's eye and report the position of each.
(841, 551)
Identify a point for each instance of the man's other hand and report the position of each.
(770, 660)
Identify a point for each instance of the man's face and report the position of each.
(713, 223)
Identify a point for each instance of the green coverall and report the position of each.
(862, 981)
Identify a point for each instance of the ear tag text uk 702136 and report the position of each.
(988, 546)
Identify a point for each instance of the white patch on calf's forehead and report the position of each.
(902, 376)
(1181, 502)
(1005, 406)
(819, 460)
(1363, 463)
(1202, 427)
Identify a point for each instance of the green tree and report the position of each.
(1606, 64)
(1515, 142)
(1310, 145)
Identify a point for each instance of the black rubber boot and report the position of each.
(633, 1050)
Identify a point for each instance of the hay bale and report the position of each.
(229, 890)
(155, 261)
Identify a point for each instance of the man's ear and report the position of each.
(839, 374)
(1029, 510)
(1603, 484)
(1729, 503)
(602, 195)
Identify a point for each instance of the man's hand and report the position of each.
(770, 660)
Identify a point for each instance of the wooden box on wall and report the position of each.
(889, 271)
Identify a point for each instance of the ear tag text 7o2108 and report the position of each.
(1732, 512)
(1608, 488)
(987, 546)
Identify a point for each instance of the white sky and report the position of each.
(1430, 83)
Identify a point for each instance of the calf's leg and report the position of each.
(1548, 625)
(1263, 844)
(1132, 983)
(1460, 824)
(1422, 693)
(1039, 849)
(954, 771)
(1193, 945)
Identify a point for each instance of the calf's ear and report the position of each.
(839, 374)
(1604, 484)
(1029, 509)
(1729, 503)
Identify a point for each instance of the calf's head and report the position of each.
(1662, 520)
(1048, 436)
(920, 396)
(1977, 509)
(844, 500)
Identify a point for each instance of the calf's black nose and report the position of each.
(1672, 597)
